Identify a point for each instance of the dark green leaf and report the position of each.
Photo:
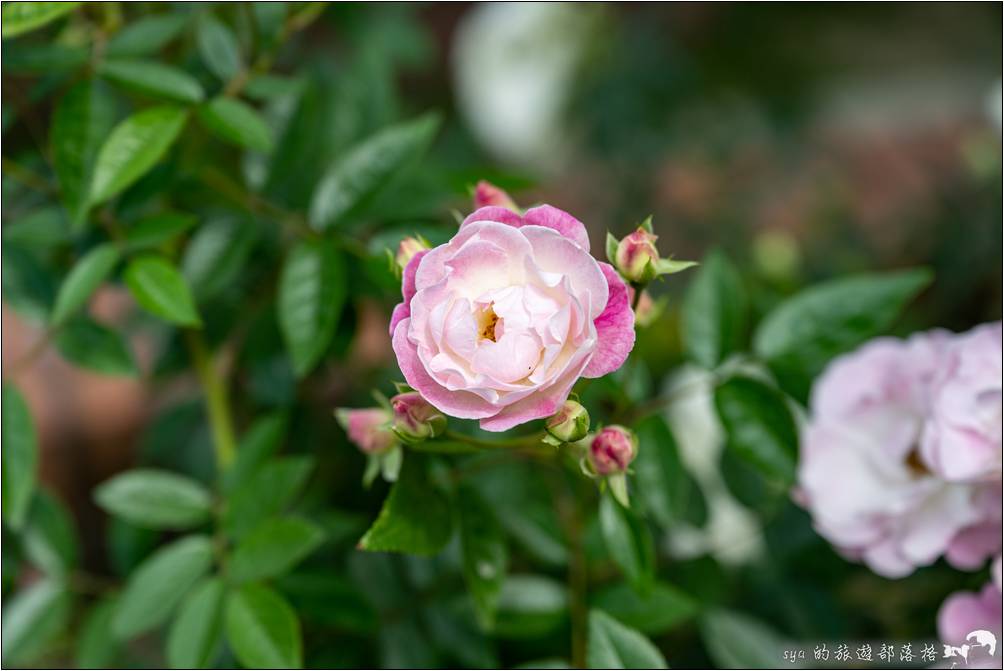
(366, 168)
(197, 629)
(49, 537)
(274, 547)
(326, 598)
(216, 254)
(737, 641)
(714, 311)
(43, 228)
(666, 489)
(613, 645)
(42, 57)
(270, 489)
(155, 499)
(259, 442)
(655, 612)
(530, 606)
(262, 629)
(97, 647)
(146, 36)
(159, 288)
(218, 47)
(237, 122)
(21, 17)
(312, 290)
(95, 347)
(27, 286)
(153, 79)
(158, 229)
(33, 618)
(801, 335)
(20, 456)
(485, 555)
(628, 542)
(159, 584)
(86, 276)
(134, 146)
(759, 426)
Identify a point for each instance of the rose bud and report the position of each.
(415, 419)
(612, 450)
(636, 258)
(569, 424)
(407, 249)
(368, 428)
(487, 194)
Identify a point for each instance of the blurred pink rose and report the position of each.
(500, 322)
(965, 612)
(368, 428)
(487, 194)
(962, 440)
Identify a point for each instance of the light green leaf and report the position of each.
(20, 456)
(197, 630)
(665, 488)
(312, 290)
(530, 606)
(216, 255)
(218, 47)
(628, 542)
(91, 345)
(49, 537)
(714, 311)
(671, 266)
(657, 611)
(155, 499)
(97, 647)
(801, 335)
(357, 176)
(158, 229)
(153, 79)
(613, 645)
(270, 489)
(134, 146)
(737, 641)
(21, 17)
(759, 426)
(33, 618)
(485, 555)
(147, 35)
(237, 122)
(274, 547)
(159, 288)
(263, 629)
(84, 278)
(612, 245)
(159, 583)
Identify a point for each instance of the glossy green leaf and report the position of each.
(20, 456)
(485, 555)
(613, 645)
(84, 278)
(273, 548)
(134, 146)
(267, 492)
(237, 122)
(737, 641)
(312, 291)
(21, 17)
(197, 630)
(661, 608)
(96, 646)
(155, 499)
(159, 288)
(153, 79)
(158, 229)
(218, 47)
(262, 629)
(416, 517)
(667, 491)
(366, 168)
(49, 538)
(801, 335)
(146, 35)
(759, 426)
(530, 606)
(93, 346)
(216, 255)
(159, 583)
(33, 618)
(714, 311)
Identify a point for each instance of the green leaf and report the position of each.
(21, 17)
(613, 645)
(146, 36)
(672, 266)
(714, 311)
(155, 499)
(328, 599)
(33, 618)
(485, 555)
(258, 443)
(153, 79)
(665, 488)
(530, 606)
(270, 489)
(660, 609)
(96, 646)
(159, 583)
(357, 176)
(218, 47)
(20, 456)
(90, 271)
(415, 518)
(91, 345)
(134, 146)
(237, 122)
(737, 641)
(628, 542)
(759, 426)
(43, 228)
(197, 629)
(158, 229)
(81, 122)
(159, 288)
(216, 254)
(801, 335)
(49, 538)
(312, 290)
(612, 245)
(263, 629)
(273, 548)
(28, 287)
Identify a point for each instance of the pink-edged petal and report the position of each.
(556, 254)
(462, 404)
(403, 309)
(494, 213)
(559, 220)
(614, 328)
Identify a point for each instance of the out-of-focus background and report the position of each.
(805, 140)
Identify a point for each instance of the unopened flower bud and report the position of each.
(407, 249)
(612, 450)
(569, 424)
(637, 259)
(486, 193)
(415, 419)
(368, 428)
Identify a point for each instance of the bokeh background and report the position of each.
(805, 140)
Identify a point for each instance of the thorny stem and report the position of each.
(217, 403)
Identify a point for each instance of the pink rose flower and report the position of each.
(963, 613)
(612, 450)
(499, 323)
(487, 194)
(962, 440)
(368, 428)
(861, 474)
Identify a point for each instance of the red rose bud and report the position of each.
(486, 193)
(612, 450)
(415, 419)
(637, 259)
(407, 249)
(368, 428)
(569, 424)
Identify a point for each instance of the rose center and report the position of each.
(487, 320)
(917, 467)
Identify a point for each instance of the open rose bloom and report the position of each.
(499, 323)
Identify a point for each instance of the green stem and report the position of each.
(502, 443)
(217, 404)
(638, 288)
